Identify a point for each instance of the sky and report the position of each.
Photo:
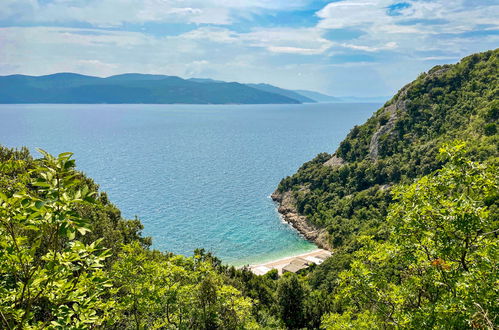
(342, 48)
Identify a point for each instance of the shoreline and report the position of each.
(318, 236)
(289, 214)
(279, 264)
(275, 255)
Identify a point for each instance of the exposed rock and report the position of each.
(287, 208)
(374, 144)
(334, 161)
(399, 105)
(387, 128)
(385, 187)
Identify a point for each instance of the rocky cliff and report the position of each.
(287, 209)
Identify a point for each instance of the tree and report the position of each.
(156, 290)
(47, 277)
(290, 298)
(438, 269)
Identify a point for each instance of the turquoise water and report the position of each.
(196, 175)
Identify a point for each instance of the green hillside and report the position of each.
(359, 196)
(349, 192)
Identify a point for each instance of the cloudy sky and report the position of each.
(347, 47)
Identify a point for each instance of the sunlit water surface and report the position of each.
(196, 175)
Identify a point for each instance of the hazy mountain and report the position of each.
(138, 76)
(318, 97)
(285, 92)
(129, 88)
(205, 80)
(266, 88)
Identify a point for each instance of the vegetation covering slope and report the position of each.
(349, 192)
(129, 88)
(413, 220)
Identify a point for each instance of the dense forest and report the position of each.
(409, 202)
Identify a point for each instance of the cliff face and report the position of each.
(348, 193)
(287, 208)
(387, 128)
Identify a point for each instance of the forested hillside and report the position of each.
(348, 195)
(409, 204)
(349, 192)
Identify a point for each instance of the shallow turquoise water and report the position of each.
(196, 175)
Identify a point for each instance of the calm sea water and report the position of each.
(196, 175)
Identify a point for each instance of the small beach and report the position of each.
(279, 264)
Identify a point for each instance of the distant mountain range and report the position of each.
(318, 97)
(284, 92)
(148, 89)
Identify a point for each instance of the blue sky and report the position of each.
(346, 47)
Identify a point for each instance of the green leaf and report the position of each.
(70, 234)
(65, 155)
(82, 230)
(41, 184)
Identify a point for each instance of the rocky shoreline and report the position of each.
(290, 214)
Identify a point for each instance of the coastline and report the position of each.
(279, 264)
(289, 213)
(274, 256)
(285, 206)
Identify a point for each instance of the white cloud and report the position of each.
(415, 26)
(117, 12)
(305, 41)
(12, 8)
(388, 52)
(295, 50)
(90, 66)
(373, 15)
(216, 34)
(387, 46)
(353, 13)
(43, 50)
(440, 58)
(237, 57)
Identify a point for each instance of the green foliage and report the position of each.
(398, 144)
(155, 291)
(290, 299)
(53, 274)
(364, 320)
(105, 219)
(438, 268)
(48, 278)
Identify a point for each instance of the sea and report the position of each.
(197, 176)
